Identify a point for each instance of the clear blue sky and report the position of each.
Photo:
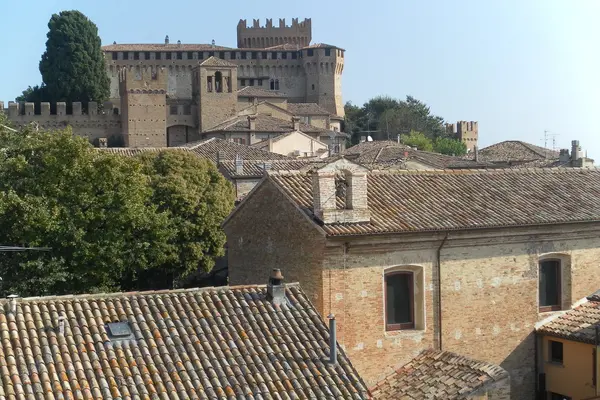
(519, 67)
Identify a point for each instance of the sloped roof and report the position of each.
(440, 375)
(435, 200)
(263, 123)
(217, 62)
(254, 91)
(578, 324)
(322, 46)
(133, 151)
(285, 46)
(306, 109)
(163, 47)
(515, 150)
(256, 168)
(264, 144)
(211, 148)
(211, 343)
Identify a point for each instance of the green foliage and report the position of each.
(72, 66)
(418, 140)
(108, 220)
(448, 146)
(392, 117)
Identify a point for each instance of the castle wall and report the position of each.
(215, 107)
(259, 37)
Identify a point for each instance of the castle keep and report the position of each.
(168, 94)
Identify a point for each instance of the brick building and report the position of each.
(412, 260)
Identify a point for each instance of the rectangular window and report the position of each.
(168, 55)
(147, 55)
(173, 110)
(555, 352)
(274, 55)
(251, 82)
(327, 52)
(190, 55)
(284, 55)
(200, 55)
(243, 82)
(399, 301)
(136, 55)
(211, 53)
(294, 55)
(254, 55)
(264, 55)
(222, 55)
(157, 56)
(125, 55)
(260, 82)
(244, 54)
(550, 285)
(179, 55)
(115, 55)
(310, 52)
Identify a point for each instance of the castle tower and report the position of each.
(468, 133)
(323, 66)
(260, 37)
(143, 91)
(215, 92)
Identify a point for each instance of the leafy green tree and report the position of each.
(72, 66)
(418, 140)
(197, 199)
(451, 147)
(93, 211)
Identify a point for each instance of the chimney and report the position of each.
(276, 288)
(61, 325)
(12, 303)
(266, 166)
(476, 152)
(399, 139)
(239, 165)
(332, 340)
(270, 144)
(179, 43)
(213, 43)
(167, 39)
(575, 150)
(102, 143)
(296, 123)
(219, 157)
(564, 156)
(252, 122)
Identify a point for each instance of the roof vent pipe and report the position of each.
(12, 303)
(332, 340)
(61, 325)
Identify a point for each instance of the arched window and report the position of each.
(276, 84)
(342, 190)
(218, 82)
(272, 84)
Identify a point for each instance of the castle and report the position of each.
(170, 94)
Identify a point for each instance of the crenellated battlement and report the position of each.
(143, 78)
(26, 111)
(259, 37)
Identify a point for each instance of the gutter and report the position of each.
(439, 290)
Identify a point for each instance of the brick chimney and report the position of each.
(252, 122)
(296, 123)
(276, 288)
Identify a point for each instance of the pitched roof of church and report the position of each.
(263, 123)
(217, 62)
(306, 109)
(257, 168)
(578, 324)
(162, 47)
(444, 200)
(226, 342)
(253, 91)
(440, 375)
(515, 150)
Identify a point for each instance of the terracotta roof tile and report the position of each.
(578, 324)
(211, 148)
(438, 375)
(163, 47)
(264, 123)
(433, 200)
(216, 62)
(256, 168)
(515, 150)
(306, 109)
(253, 91)
(212, 343)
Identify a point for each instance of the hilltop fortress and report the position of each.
(168, 94)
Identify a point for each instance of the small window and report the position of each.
(179, 55)
(294, 55)
(244, 55)
(260, 82)
(222, 55)
(136, 55)
(550, 285)
(200, 55)
(313, 86)
(115, 55)
(125, 55)
(399, 301)
(276, 84)
(555, 352)
(190, 55)
(264, 55)
(310, 52)
(168, 55)
(274, 55)
(327, 52)
(272, 84)
(211, 53)
(147, 55)
(251, 82)
(173, 110)
(254, 55)
(284, 55)
(157, 55)
(242, 82)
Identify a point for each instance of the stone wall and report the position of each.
(257, 36)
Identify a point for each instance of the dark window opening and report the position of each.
(251, 82)
(284, 55)
(211, 53)
(399, 302)
(310, 52)
(187, 109)
(327, 52)
(294, 55)
(260, 82)
(209, 83)
(276, 84)
(147, 55)
(168, 56)
(272, 84)
(125, 55)
(190, 55)
(274, 55)
(200, 55)
(244, 54)
(254, 55)
(173, 110)
(218, 81)
(222, 55)
(179, 55)
(313, 86)
(550, 285)
(264, 55)
(136, 55)
(115, 55)
(555, 350)
(157, 56)
(242, 82)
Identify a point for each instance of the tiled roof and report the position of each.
(515, 150)
(306, 109)
(132, 151)
(578, 324)
(163, 47)
(253, 91)
(256, 168)
(212, 343)
(438, 375)
(322, 46)
(434, 200)
(388, 154)
(285, 46)
(264, 123)
(211, 148)
(217, 62)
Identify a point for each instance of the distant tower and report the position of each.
(143, 92)
(465, 131)
(215, 92)
(323, 66)
(260, 37)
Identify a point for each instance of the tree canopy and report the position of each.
(442, 145)
(109, 221)
(72, 67)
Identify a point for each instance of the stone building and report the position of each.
(170, 94)
(454, 260)
(465, 131)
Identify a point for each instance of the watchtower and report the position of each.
(215, 91)
(260, 37)
(143, 92)
(323, 65)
